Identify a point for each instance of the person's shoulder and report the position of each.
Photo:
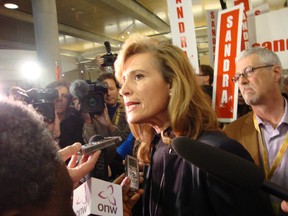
(221, 141)
(214, 138)
(245, 119)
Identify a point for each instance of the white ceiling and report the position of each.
(84, 25)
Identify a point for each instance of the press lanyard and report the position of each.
(117, 117)
(269, 171)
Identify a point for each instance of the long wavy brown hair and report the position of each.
(189, 107)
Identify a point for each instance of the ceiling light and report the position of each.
(10, 4)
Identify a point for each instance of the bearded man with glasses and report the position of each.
(263, 132)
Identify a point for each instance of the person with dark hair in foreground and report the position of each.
(33, 177)
(164, 100)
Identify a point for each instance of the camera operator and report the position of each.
(110, 122)
(67, 125)
(106, 62)
(114, 116)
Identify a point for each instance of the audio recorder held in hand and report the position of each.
(101, 144)
(132, 171)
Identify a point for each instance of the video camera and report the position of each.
(42, 100)
(109, 58)
(93, 102)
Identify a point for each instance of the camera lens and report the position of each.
(92, 102)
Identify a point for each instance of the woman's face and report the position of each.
(144, 90)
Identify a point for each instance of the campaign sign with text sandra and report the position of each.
(98, 197)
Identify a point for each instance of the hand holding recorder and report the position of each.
(78, 170)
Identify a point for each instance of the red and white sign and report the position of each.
(182, 28)
(244, 39)
(211, 17)
(272, 32)
(264, 8)
(98, 197)
(228, 42)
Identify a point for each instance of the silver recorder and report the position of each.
(132, 171)
(101, 144)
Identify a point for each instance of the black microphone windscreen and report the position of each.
(228, 167)
(275, 190)
(32, 93)
(79, 88)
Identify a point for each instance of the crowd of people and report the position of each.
(153, 96)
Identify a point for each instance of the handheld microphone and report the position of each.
(229, 167)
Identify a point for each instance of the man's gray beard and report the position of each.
(251, 100)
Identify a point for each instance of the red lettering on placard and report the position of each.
(179, 12)
(213, 24)
(226, 60)
(214, 32)
(212, 15)
(183, 41)
(181, 25)
(279, 45)
(257, 12)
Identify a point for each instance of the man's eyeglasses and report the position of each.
(247, 72)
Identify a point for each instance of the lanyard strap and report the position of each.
(117, 117)
(269, 171)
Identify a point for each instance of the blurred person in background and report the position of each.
(67, 126)
(205, 79)
(242, 108)
(285, 82)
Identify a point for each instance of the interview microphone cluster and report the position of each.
(226, 166)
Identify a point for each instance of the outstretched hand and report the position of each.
(86, 163)
(104, 119)
(284, 206)
(129, 197)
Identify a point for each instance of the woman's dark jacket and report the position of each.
(175, 187)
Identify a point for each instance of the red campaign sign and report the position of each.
(245, 38)
(228, 45)
(58, 72)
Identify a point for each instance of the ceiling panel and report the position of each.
(84, 25)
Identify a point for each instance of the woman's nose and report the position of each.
(124, 90)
